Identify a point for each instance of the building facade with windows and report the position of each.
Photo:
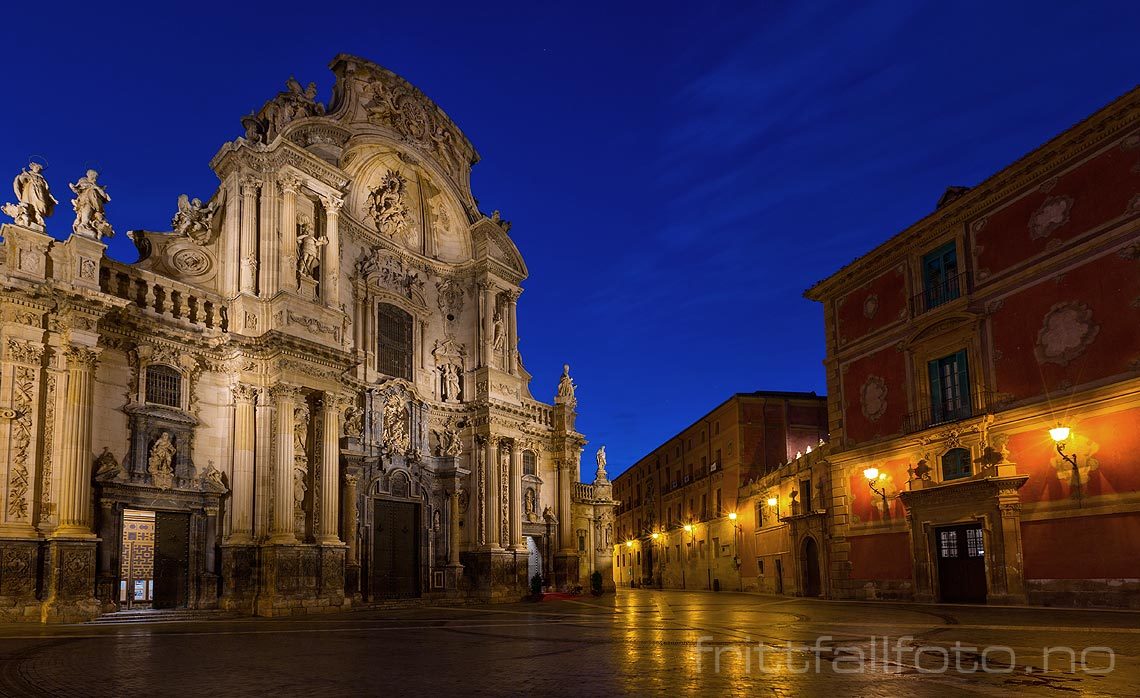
(310, 390)
(955, 347)
(678, 523)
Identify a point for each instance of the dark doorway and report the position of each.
(961, 563)
(395, 550)
(171, 559)
(811, 568)
(779, 576)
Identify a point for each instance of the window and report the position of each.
(956, 464)
(395, 356)
(704, 506)
(719, 510)
(163, 385)
(940, 276)
(805, 495)
(949, 388)
(948, 544)
(760, 564)
(716, 428)
(581, 542)
(759, 513)
(716, 547)
(530, 463)
(974, 542)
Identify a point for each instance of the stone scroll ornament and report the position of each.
(34, 202)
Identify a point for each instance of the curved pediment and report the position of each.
(493, 243)
(938, 327)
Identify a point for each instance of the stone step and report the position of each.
(161, 616)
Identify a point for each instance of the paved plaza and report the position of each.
(639, 641)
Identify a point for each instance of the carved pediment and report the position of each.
(492, 242)
(389, 270)
(941, 326)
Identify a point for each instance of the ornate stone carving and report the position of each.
(396, 436)
(504, 492)
(1066, 331)
(600, 473)
(354, 422)
(191, 262)
(870, 306)
(1050, 215)
(566, 388)
(309, 245)
(293, 103)
(18, 479)
(450, 296)
(24, 352)
(90, 207)
(450, 444)
(389, 270)
(34, 201)
(107, 467)
(160, 464)
(193, 219)
(873, 398)
(387, 206)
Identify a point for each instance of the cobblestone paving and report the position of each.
(642, 642)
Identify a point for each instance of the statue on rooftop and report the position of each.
(193, 219)
(90, 204)
(34, 201)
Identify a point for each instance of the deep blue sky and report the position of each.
(677, 173)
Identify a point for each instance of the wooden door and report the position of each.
(961, 563)
(171, 559)
(395, 550)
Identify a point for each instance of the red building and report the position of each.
(954, 348)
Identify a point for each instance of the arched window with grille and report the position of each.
(530, 463)
(395, 340)
(163, 385)
(956, 464)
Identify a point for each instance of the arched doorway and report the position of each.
(811, 567)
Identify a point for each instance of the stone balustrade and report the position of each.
(163, 297)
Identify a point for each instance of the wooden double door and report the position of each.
(961, 563)
(395, 549)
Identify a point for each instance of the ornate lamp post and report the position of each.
(685, 563)
(629, 545)
(736, 549)
(873, 475)
(774, 503)
(1060, 434)
(656, 536)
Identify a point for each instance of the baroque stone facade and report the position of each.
(313, 380)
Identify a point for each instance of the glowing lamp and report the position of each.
(1059, 434)
(871, 473)
(629, 544)
(656, 535)
(732, 516)
(688, 528)
(772, 501)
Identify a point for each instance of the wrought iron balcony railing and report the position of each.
(949, 411)
(938, 294)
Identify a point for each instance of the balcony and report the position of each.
(976, 405)
(938, 294)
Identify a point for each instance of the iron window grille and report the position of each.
(395, 355)
(163, 385)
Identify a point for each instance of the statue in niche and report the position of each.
(300, 462)
(450, 383)
(566, 387)
(160, 465)
(354, 422)
(34, 201)
(530, 504)
(193, 219)
(396, 436)
(452, 446)
(600, 475)
(386, 205)
(90, 204)
(499, 340)
(308, 248)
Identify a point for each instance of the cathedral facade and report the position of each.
(309, 393)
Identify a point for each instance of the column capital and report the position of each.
(82, 356)
(331, 203)
(285, 392)
(250, 185)
(290, 183)
(242, 392)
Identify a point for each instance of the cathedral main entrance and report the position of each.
(395, 550)
(155, 559)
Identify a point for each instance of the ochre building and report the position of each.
(983, 373)
(308, 395)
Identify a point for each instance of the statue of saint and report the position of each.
(90, 207)
(601, 458)
(193, 219)
(451, 382)
(212, 478)
(529, 503)
(34, 201)
(161, 460)
(566, 387)
(308, 248)
(499, 340)
(353, 421)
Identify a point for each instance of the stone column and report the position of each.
(330, 264)
(248, 245)
(330, 470)
(516, 501)
(231, 238)
(512, 334)
(75, 458)
(565, 520)
(488, 319)
(289, 187)
(20, 416)
(270, 240)
(349, 504)
(493, 488)
(241, 489)
(263, 465)
(453, 528)
(284, 400)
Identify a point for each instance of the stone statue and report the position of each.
(499, 341)
(299, 486)
(308, 248)
(498, 220)
(34, 201)
(566, 387)
(451, 383)
(548, 515)
(396, 436)
(354, 422)
(300, 430)
(601, 458)
(106, 467)
(193, 219)
(386, 205)
(454, 447)
(212, 478)
(161, 462)
(529, 503)
(90, 207)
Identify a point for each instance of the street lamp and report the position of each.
(873, 475)
(1060, 434)
(736, 549)
(656, 536)
(688, 528)
(774, 503)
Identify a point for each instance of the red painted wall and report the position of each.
(882, 556)
(851, 311)
(889, 365)
(1101, 190)
(1110, 287)
(1107, 445)
(867, 505)
(1090, 547)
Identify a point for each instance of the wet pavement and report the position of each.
(639, 641)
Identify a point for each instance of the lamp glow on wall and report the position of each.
(774, 503)
(873, 476)
(1060, 434)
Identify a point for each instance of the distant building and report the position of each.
(954, 348)
(675, 522)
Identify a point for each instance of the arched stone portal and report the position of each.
(811, 567)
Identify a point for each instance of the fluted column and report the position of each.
(330, 266)
(248, 247)
(488, 319)
(241, 489)
(515, 490)
(270, 246)
(263, 465)
(289, 188)
(512, 334)
(75, 455)
(453, 528)
(330, 470)
(231, 237)
(284, 400)
(565, 521)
